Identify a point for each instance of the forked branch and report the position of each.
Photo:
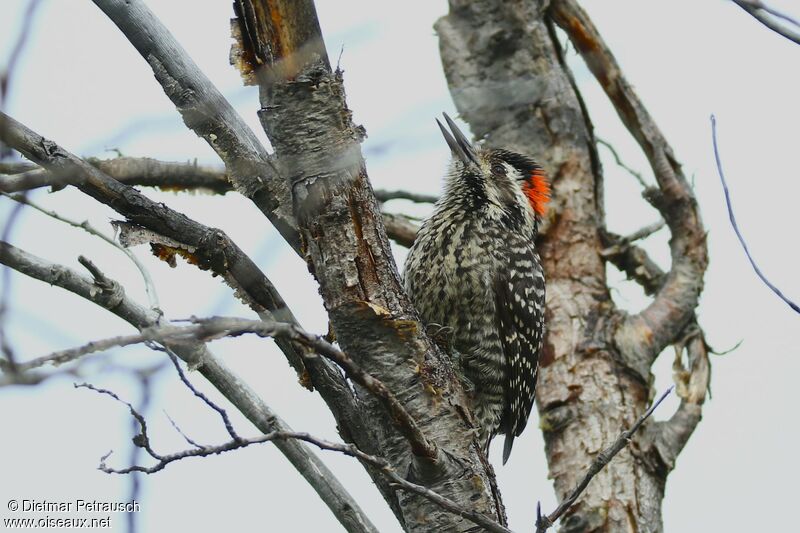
(543, 523)
(206, 112)
(176, 234)
(237, 391)
(384, 467)
(204, 330)
(673, 306)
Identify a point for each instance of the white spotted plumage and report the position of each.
(473, 272)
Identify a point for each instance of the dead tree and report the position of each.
(597, 359)
(406, 418)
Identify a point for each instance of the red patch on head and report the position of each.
(537, 189)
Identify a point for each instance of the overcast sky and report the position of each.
(81, 84)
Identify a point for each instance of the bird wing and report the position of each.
(520, 324)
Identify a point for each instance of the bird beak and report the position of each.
(458, 143)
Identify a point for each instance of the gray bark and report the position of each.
(236, 390)
(205, 111)
(306, 118)
(510, 83)
(169, 176)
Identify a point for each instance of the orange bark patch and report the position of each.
(169, 253)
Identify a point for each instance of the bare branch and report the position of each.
(206, 400)
(633, 261)
(166, 175)
(107, 296)
(644, 232)
(206, 112)
(767, 16)
(622, 242)
(385, 196)
(146, 172)
(16, 167)
(218, 253)
(620, 163)
(166, 333)
(171, 176)
(31, 179)
(673, 305)
(150, 287)
(732, 218)
(400, 228)
(664, 441)
(214, 328)
(143, 440)
(188, 439)
(241, 395)
(208, 248)
(543, 523)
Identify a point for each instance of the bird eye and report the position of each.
(497, 168)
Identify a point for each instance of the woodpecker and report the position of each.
(473, 273)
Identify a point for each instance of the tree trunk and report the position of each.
(509, 81)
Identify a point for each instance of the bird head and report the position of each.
(499, 181)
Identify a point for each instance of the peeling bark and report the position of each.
(205, 111)
(511, 84)
(509, 80)
(307, 120)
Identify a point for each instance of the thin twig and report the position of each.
(621, 244)
(727, 351)
(674, 303)
(732, 218)
(185, 380)
(218, 327)
(65, 356)
(543, 523)
(188, 439)
(143, 440)
(644, 232)
(341, 503)
(149, 285)
(620, 163)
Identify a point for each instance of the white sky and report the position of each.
(81, 84)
